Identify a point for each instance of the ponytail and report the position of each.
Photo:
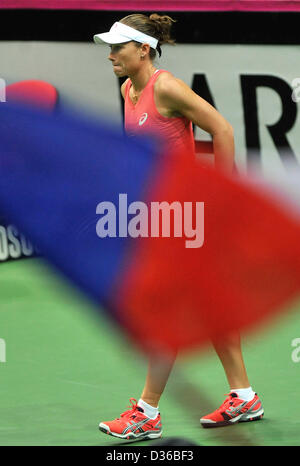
(155, 26)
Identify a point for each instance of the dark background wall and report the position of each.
(191, 27)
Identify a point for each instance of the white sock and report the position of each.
(245, 394)
(149, 410)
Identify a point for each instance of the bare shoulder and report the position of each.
(167, 86)
(123, 87)
(167, 79)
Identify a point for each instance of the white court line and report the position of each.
(80, 383)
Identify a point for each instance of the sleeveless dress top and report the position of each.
(143, 118)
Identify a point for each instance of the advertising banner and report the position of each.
(256, 88)
(13, 244)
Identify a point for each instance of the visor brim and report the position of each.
(110, 38)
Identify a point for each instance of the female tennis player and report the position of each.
(157, 101)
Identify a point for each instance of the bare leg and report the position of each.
(230, 354)
(157, 377)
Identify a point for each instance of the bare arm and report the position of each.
(175, 95)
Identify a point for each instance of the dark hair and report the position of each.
(154, 25)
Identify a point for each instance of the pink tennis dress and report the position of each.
(144, 118)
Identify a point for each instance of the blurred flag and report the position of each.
(33, 92)
(66, 180)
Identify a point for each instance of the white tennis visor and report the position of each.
(120, 33)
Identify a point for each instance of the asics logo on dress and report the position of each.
(143, 119)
